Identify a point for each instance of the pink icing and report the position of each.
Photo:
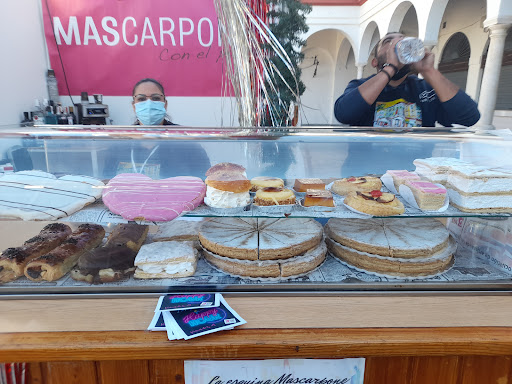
(426, 187)
(403, 174)
(133, 195)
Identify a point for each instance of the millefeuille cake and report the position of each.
(471, 188)
(401, 177)
(428, 196)
(166, 259)
(392, 247)
(480, 189)
(435, 169)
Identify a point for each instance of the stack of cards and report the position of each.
(191, 315)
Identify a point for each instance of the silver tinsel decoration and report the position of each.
(248, 45)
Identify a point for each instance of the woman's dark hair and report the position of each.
(148, 80)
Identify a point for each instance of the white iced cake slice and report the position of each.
(166, 259)
(478, 179)
(435, 169)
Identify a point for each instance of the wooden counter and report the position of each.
(406, 339)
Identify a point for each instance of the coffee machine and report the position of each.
(92, 113)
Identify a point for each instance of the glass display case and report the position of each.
(483, 238)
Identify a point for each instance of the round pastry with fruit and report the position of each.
(375, 203)
(353, 184)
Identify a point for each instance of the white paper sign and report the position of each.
(288, 371)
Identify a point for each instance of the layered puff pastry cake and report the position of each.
(471, 188)
(428, 196)
(263, 248)
(166, 259)
(392, 247)
(375, 203)
(401, 177)
(353, 184)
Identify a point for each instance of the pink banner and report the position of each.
(106, 46)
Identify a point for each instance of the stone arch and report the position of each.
(454, 63)
(367, 41)
(321, 53)
(429, 28)
(398, 16)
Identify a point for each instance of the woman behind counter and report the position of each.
(157, 159)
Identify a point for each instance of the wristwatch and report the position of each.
(390, 65)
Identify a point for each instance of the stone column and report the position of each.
(360, 69)
(491, 76)
(474, 78)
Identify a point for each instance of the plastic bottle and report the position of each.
(410, 50)
(53, 90)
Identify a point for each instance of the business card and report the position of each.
(158, 322)
(180, 302)
(190, 323)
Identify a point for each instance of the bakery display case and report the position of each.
(423, 295)
(460, 246)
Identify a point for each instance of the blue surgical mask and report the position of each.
(150, 112)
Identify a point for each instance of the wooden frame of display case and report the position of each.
(406, 339)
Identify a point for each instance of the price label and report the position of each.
(287, 371)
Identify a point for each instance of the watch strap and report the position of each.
(390, 65)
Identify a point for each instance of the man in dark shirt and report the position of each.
(394, 97)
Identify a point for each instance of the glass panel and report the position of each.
(480, 263)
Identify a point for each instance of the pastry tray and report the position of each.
(469, 272)
(99, 213)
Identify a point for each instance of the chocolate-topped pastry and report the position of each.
(130, 235)
(14, 260)
(55, 264)
(115, 260)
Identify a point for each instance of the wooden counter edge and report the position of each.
(257, 344)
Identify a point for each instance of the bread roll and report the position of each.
(225, 167)
(230, 182)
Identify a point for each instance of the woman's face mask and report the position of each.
(150, 112)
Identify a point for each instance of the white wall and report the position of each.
(24, 61)
(186, 111)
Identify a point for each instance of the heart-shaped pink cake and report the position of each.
(138, 197)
